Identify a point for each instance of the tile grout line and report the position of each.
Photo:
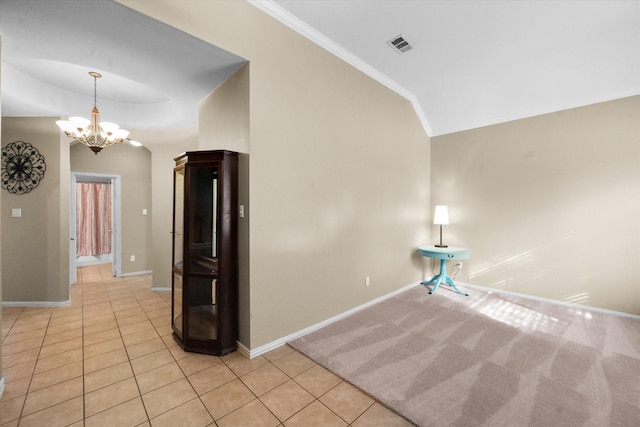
(129, 358)
(81, 290)
(33, 372)
(118, 327)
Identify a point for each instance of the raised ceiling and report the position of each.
(473, 63)
(153, 75)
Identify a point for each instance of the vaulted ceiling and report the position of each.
(476, 63)
(472, 63)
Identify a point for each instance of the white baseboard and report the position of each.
(243, 349)
(35, 303)
(136, 273)
(155, 289)
(83, 261)
(282, 341)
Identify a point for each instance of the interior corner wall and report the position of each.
(224, 125)
(338, 177)
(133, 164)
(166, 146)
(35, 251)
(224, 115)
(549, 205)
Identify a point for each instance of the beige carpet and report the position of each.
(488, 359)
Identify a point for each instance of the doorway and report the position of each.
(95, 236)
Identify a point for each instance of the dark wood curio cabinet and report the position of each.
(204, 288)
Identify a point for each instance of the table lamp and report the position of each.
(441, 217)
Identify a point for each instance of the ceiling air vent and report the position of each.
(400, 44)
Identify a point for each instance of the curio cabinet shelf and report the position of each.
(204, 313)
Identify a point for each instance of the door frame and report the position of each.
(116, 220)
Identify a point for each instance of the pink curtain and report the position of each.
(93, 219)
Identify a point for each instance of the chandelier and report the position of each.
(93, 133)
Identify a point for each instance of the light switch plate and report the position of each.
(16, 213)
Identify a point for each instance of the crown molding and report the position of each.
(272, 9)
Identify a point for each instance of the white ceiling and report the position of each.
(476, 63)
(473, 63)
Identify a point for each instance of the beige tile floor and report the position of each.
(108, 359)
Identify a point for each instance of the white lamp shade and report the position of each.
(80, 122)
(121, 134)
(108, 127)
(441, 215)
(66, 126)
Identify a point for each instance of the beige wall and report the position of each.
(133, 164)
(224, 115)
(35, 247)
(550, 205)
(339, 171)
(224, 124)
(165, 147)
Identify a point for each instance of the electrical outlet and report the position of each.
(367, 282)
(133, 258)
(459, 265)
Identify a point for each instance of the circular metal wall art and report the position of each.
(22, 167)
